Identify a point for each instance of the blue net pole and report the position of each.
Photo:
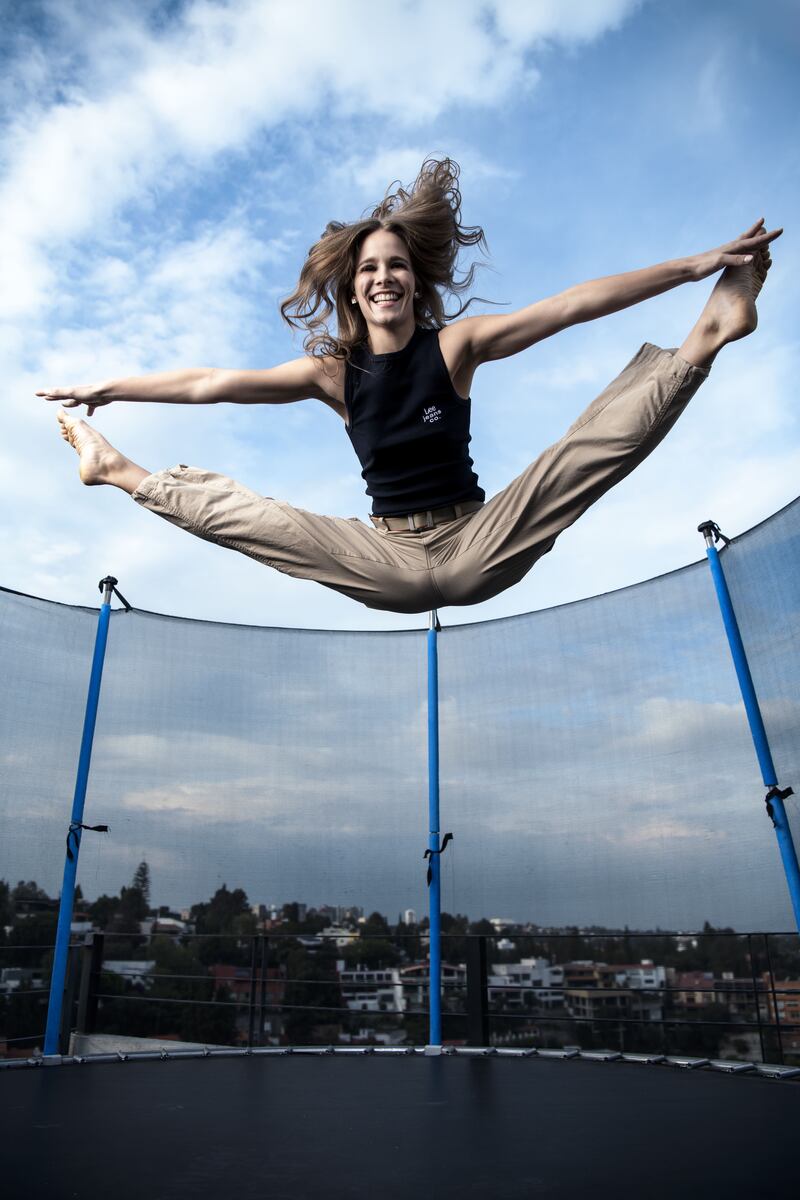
(775, 795)
(434, 890)
(52, 1032)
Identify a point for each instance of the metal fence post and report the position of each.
(91, 966)
(262, 989)
(756, 997)
(68, 1006)
(774, 995)
(477, 993)
(251, 1007)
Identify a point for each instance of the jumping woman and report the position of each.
(398, 370)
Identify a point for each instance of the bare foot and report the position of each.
(730, 312)
(731, 307)
(99, 461)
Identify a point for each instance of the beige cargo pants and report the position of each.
(463, 561)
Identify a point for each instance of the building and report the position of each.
(646, 985)
(238, 982)
(641, 975)
(169, 926)
(597, 991)
(136, 973)
(416, 985)
(339, 935)
(692, 990)
(784, 1005)
(365, 990)
(532, 981)
(20, 979)
(741, 996)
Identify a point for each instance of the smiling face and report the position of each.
(384, 283)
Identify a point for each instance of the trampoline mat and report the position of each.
(334, 1126)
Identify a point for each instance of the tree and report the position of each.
(141, 881)
(454, 944)
(312, 989)
(29, 893)
(218, 915)
(372, 953)
(376, 923)
(37, 932)
(132, 910)
(226, 914)
(103, 910)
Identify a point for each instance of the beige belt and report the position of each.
(429, 519)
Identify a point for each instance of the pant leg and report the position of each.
(497, 546)
(343, 554)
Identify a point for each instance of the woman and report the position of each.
(398, 370)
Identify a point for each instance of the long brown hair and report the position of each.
(427, 216)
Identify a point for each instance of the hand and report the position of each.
(92, 396)
(737, 253)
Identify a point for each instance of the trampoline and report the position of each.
(348, 1125)
(601, 774)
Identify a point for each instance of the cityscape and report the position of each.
(231, 972)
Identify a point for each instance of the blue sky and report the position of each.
(165, 168)
(167, 165)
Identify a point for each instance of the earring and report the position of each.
(353, 300)
(417, 295)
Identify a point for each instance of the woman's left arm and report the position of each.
(493, 337)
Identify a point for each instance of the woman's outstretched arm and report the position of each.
(304, 378)
(493, 337)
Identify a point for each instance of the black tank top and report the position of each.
(409, 428)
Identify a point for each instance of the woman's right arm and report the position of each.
(305, 378)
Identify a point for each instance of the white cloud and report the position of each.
(372, 175)
(667, 724)
(665, 829)
(219, 74)
(579, 21)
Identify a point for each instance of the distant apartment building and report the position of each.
(365, 990)
(135, 973)
(341, 914)
(646, 988)
(741, 996)
(171, 926)
(532, 981)
(782, 1005)
(339, 935)
(641, 975)
(598, 991)
(238, 982)
(20, 979)
(691, 990)
(416, 984)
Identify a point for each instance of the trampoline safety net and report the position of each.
(596, 764)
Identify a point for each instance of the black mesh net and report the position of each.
(596, 764)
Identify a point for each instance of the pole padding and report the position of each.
(76, 826)
(775, 794)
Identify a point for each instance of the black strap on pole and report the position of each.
(711, 531)
(74, 837)
(776, 793)
(110, 583)
(448, 837)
